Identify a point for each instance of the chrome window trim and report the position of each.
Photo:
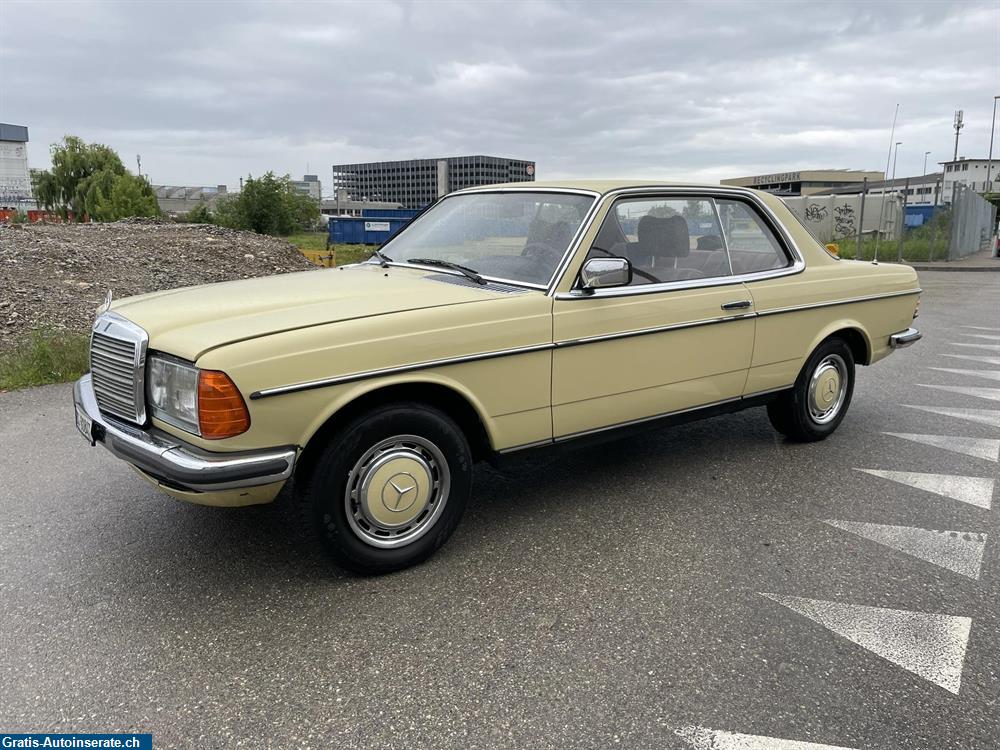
(140, 338)
(797, 265)
(722, 234)
(490, 189)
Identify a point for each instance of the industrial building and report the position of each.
(344, 205)
(309, 185)
(179, 199)
(804, 182)
(924, 190)
(416, 182)
(975, 173)
(15, 179)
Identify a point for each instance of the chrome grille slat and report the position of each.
(117, 366)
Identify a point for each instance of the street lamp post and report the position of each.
(926, 154)
(989, 162)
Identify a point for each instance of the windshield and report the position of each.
(519, 236)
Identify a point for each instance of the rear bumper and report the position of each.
(173, 462)
(905, 338)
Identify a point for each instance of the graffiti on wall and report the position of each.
(843, 220)
(816, 212)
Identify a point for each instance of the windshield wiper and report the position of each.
(384, 260)
(468, 272)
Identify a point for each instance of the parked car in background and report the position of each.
(502, 319)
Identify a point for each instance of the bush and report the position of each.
(200, 214)
(267, 205)
(45, 356)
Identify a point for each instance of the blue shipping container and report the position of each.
(365, 230)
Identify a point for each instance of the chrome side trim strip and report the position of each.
(834, 303)
(350, 378)
(647, 331)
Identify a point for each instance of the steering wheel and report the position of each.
(690, 273)
(541, 251)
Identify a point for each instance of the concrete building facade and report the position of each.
(972, 173)
(179, 199)
(803, 182)
(924, 190)
(416, 182)
(344, 205)
(310, 185)
(15, 178)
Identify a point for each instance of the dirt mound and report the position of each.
(54, 276)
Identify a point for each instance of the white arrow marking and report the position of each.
(976, 491)
(990, 347)
(701, 738)
(980, 336)
(983, 416)
(928, 645)
(993, 394)
(959, 551)
(988, 374)
(978, 447)
(971, 358)
(981, 328)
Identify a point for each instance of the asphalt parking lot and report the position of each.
(674, 590)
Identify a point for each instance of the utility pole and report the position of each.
(138, 164)
(989, 162)
(958, 127)
(926, 154)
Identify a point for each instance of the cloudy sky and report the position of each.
(208, 91)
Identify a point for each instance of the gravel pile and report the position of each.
(54, 276)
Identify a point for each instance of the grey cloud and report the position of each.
(209, 91)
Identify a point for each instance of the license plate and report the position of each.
(85, 425)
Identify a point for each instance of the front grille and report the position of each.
(117, 363)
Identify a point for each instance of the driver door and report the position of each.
(679, 336)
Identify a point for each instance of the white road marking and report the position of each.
(978, 447)
(993, 394)
(958, 551)
(931, 646)
(971, 358)
(981, 328)
(701, 738)
(980, 336)
(988, 374)
(976, 491)
(983, 416)
(990, 347)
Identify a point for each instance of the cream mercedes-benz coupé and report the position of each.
(500, 319)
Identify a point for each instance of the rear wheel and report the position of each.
(817, 403)
(389, 488)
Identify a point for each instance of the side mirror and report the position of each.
(600, 273)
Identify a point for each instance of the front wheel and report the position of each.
(817, 403)
(389, 488)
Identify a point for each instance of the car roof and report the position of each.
(597, 186)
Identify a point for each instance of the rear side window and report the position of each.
(752, 245)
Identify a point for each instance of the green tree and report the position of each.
(75, 164)
(127, 195)
(200, 214)
(267, 205)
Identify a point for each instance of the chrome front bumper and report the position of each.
(905, 338)
(173, 461)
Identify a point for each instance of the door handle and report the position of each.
(739, 305)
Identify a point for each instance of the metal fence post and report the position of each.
(957, 196)
(861, 217)
(902, 224)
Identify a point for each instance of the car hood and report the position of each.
(191, 321)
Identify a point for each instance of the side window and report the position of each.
(665, 239)
(752, 245)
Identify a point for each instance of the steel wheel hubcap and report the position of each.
(397, 491)
(827, 389)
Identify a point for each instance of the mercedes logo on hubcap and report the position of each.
(399, 493)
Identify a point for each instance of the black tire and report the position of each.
(795, 414)
(346, 530)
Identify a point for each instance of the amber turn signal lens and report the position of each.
(222, 412)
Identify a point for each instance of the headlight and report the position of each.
(202, 402)
(173, 393)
